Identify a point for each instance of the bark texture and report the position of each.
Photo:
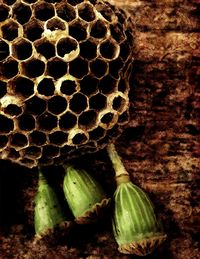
(160, 146)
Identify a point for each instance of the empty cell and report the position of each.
(55, 24)
(13, 154)
(47, 121)
(107, 84)
(35, 105)
(3, 141)
(32, 152)
(50, 151)
(13, 110)
(45, 48)
(88, 50)
(123, 118)
(22, 49)
(89, 85)
(9, 68)
(79, 138)
(58, 138)
(78, 103)
(22, 13)
(123, 86)
(99, 29)
(78, 68)
(33, 30)
(4, 50)
(46, 87)
(117, 32)
(30, 1)
(4, 11)
(115, 67)
(66, 150)
(9, 2)
(109, 49)
(78, 30)
(18, 140)
(52, 1)
(87, 119)
(37, 138)
(66, 12)
(10, 30)
(57, 104)
(23, 86)
(106, 11)
(99, 67)
(6, 124)
(118, 103)
(44, 11)
(68, 87)
(97, 133)
(67, 121)
(75, 2)
(107, 118)
(86, 12)
(56, 68)
(66, 45)
(124, 50)
(3, 88)
(26, 122)
(33, 68)
(98, 102)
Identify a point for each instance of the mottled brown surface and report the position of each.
(160, 147)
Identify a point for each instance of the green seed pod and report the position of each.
(84, 195)
(136, 229)
(48, 215)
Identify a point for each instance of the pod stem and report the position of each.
(121, 174)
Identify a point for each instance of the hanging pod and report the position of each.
(84, 195)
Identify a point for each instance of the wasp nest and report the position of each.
(64, 68)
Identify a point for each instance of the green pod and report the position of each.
(135, 226)
(84, 195)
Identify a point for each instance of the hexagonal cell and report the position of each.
(79, 137)
(22, 13)
(65, 11)
(22, 86)
(75, 2)
(47, 121)
(26, 122)
(78, 30)
(109, 49)
(107, 118)
(86, 12)
(118, 103)
(88, 49)
(50, 151)
(56, 68)
(13, 154)
(4, 50)
(115, 67)
(87, 119)
(117, 32)
(125, 50)
(58, 138)
(37, 138)
(89, 85)
(68, 87)
(10, 30)
(45, 48)
(98, 102)
(123, 85)
(22, 49)
(68, 48)
(33, 68)
(55, 24)
(3, 141)
(6, 124)
(32, 152)
(123, 118)
(107, 84)
(35, 105)
(44, 11)
(78, 103)
(46, 87)
(106, 11)
(3, 88)
(4, 11)
(18, 140)
(9, 68)
(30, 1)
(33, 30)
(13, 110)
(99, 67)
(97, 133)
(57, 105)
(78, 68)
(99, 29)
(65, 150)
(67, 121)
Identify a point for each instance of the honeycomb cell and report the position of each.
(56, 68)
(13, 154)
(65, 150)
(124, 50)
(99, 67)
(68, 87)
(87, 119)
(33, 30)
(78, 30)
(21, 49)
(57, 104)
(98, 102)
(107, 84)
(45, 48)
(65, 11)
(30, 1)
(123, 118)
(46, 87)
(97, 133)
(117, 32)
(109, 49)
(75, 2)
(10, 30)
(9, 2)
(107, 118)
(9, 68)
(78, 68)
(122, 86)
(26, 122)
(35, 105)
(99, 29)
(22, 86)
(4, 50)
(105, 11)
(3, 88)
(78, 103)
(50, 151)
(4, 11)
(22, 13)
(58, 138)
(6, 124)
(118, 103)
(47, 121)
(88, 50)
(67, 121)
(13, 110)
(86, 12)
(18, 140)
(79, 138)
(55, 24)
(33, 68)
(44, 11)
(37, 138)
(115, 67)
(3, 141)
(68, 48)
(89, 85)
(32, 152)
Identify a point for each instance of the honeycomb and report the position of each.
(64, 70)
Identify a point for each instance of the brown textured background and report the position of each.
(160, 147)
